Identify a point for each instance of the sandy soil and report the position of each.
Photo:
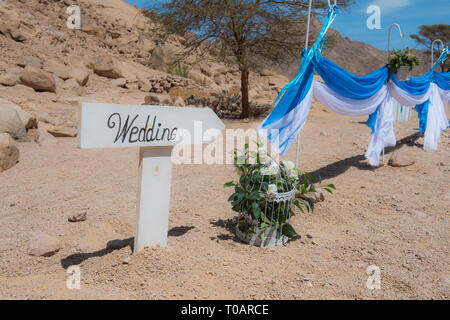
(394, 218)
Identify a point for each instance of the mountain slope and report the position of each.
(357, 57)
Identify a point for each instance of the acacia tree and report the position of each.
(427, 34)
(244, 33)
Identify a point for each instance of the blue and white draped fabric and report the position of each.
(379, 102)
(352, 95)
(283, 124)
(427, 94)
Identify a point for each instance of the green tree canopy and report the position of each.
(426, 36)
(244, 33)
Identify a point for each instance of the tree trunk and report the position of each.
(244, 92)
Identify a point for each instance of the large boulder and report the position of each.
(28, 120)
(38, 79)
(108, 66)
(402, 157)
(43, 245)
(9, 152)
(11, 123)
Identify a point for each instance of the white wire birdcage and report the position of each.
(277, 210)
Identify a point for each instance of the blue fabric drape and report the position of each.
(442, 79)
(295, 91)
(372, 121)
(348, 84)
(422, 113)
(415, 85)
(419, 85)
(294, 101)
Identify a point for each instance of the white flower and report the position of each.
(270, 169)
(289, 165)
(293, 173)
(272, 188)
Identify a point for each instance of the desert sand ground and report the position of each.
(394, 218)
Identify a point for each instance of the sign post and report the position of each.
(155, 130)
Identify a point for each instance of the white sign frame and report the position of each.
(104, 125)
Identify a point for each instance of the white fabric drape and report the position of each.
(384, 135)
(445, 94)
(436, 120)
(288, 127)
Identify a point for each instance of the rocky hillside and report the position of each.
(357, 57)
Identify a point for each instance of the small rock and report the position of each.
(323, 133)
(107, 66)
(43, 245)
(179, 102)
(121, 82)
(45, 139)
(401, 158)
(115, 244)
(9, 152)
(9, 79)
(78, 217)
(146, 86)
(153, 99)
(246, 120)
(30, 61)
(126, 260)
(28, 120)
(132, 86)
(417, 213)
(266, 73)
(46, 118)
(38, 79)
(316, 197)
(59, 71)
(81, 76)
(59, 131)
(10, 122)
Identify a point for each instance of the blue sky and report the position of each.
(409, 14)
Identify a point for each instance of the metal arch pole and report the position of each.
(388, 49)
(432, 49)
(389, 37)
(306, 46)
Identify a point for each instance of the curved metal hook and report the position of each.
(389, 36)
(432, 48)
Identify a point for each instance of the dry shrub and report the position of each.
(187, 92)
(234, 90)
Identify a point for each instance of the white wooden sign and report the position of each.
(155, 129)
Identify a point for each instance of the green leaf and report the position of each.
(288, 230)
(229, 184)
(255, 210)
(298, 205)
(264, 218)
(255, 195)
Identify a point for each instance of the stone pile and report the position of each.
(227, 105)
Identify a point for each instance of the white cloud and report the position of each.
(389, 6)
